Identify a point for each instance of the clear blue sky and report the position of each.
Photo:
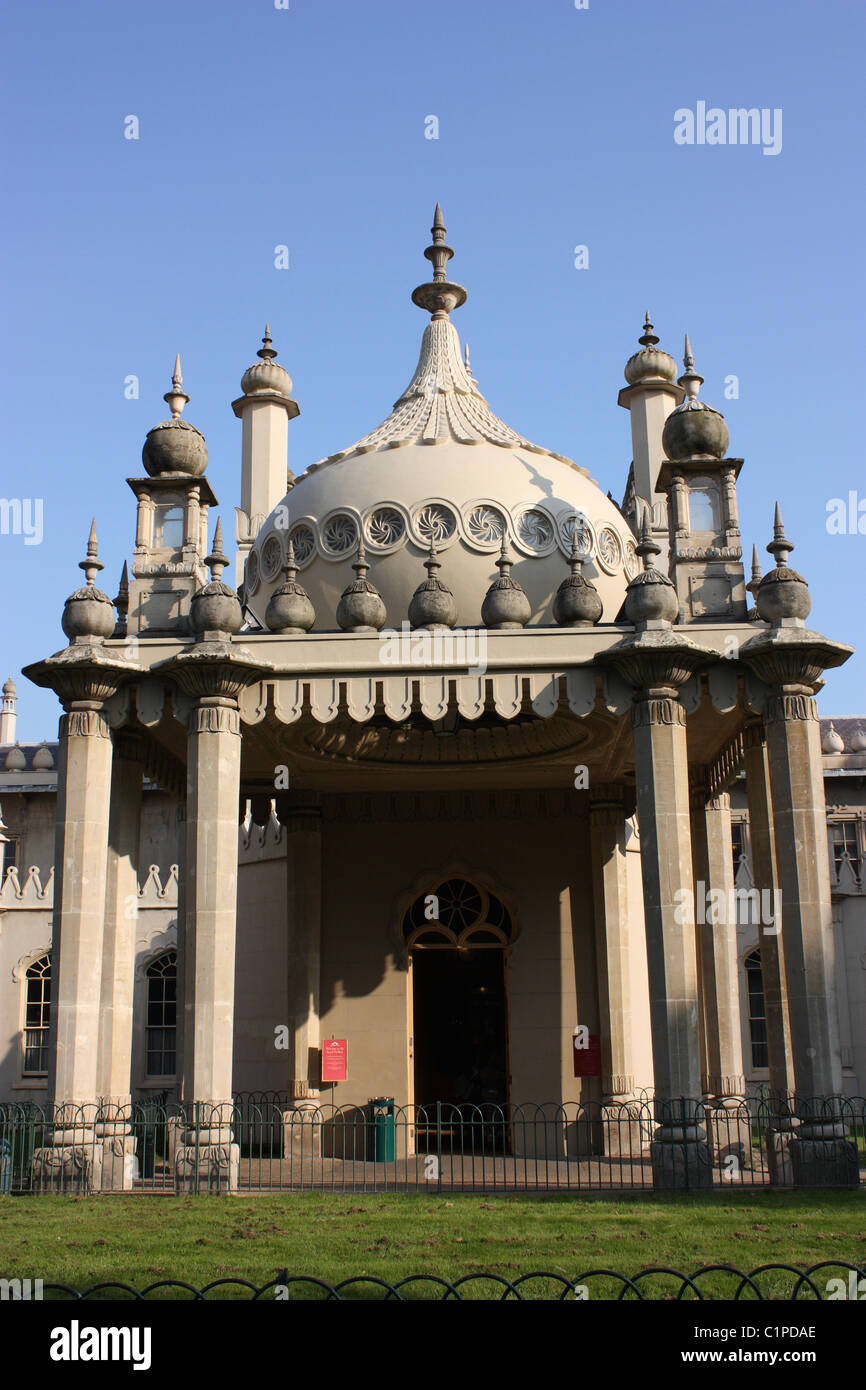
(305, 126)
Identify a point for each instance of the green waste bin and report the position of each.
(382, 1128)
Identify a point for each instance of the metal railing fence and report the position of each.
(262, 1144)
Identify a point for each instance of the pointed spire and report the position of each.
(754, 583)
(440, 296)
(646, 547)
(91, 564)
(648, 338)
(690, 380)
(267, 349)
(121, 601)
(217, 561)
(780, 547)
(176, 398)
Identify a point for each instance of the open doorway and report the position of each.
(460, 1027)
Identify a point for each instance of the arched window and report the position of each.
(457, 913)
(168, 527)
(162, 1015)
(37, 1017)
(757, 1010)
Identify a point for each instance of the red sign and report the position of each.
(335, 1058)
(587, 1054)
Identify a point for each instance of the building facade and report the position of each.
(470, 767)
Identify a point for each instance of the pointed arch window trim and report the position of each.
(161, 1015)
(37, 1017)
(457, 913)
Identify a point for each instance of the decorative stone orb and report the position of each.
(577, 603)
(360, 608)
(858, 742)
(432, 605)
(505, 604)
(88, 613)
(43, 760)
(215, 608)
(15, 760)
(289, 609)
(783, 593)
(650, 362)
(695, 430)
(650, 597)
(175, 446)
(266, 376)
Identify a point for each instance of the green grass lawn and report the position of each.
(139, 1240)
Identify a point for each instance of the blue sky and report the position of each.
(305, 127)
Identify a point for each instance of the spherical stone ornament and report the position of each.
(289, 608)
(361, 608)
(577, 603)
(88, 612)
(43, 758)
(432, 603)
(175, 446)
(651, 596)
(267, 376)
(695, 429)
(858, 742)
(651, 363)
(215, 608)
(505, 603)
(15, 760)
(783, 593)
(832, 742)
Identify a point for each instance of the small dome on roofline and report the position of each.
(175, 446)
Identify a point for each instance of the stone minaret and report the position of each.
(8, 714)
(265, 409)
(649, 398)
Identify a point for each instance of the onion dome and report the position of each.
(505, 604)
(858, 742)
(88, 612)
(782, 593)
(432, 605)
(577, 602)
(266, 377)
(215, 607)
(9, 687)
(15, 759)
(361, 608)
(694, 429)
(650, 595)
(43, 758)
(651, 363)
(289, 608)
(175, 446)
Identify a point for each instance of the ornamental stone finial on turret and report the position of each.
(577, 602)
(650, 596)
(694, 429)
(175, 446)
(88, 613)
(432, 605)
(289, 608)
(782, 593)
(215, 607)
(505, 603)
(361, 608)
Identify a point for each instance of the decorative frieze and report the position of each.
(785, 708)
(87, 723)
(648, 710)
(212, 717)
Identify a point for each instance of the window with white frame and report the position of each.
(161, 977)
(845, 842)
(37, 1017)
(757, 1010)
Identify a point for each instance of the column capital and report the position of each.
(214, 715)
(653, 707)
(83, 722)
(788, 707)
(214, 670)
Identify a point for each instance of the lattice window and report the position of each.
(162, 1015)
(846, 847)
(457, 913)
(37, 1017)
(757, 1010)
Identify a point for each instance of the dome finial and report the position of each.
(91, 564)
(780, 547)
(440, 296)
(267, 349)
(646, 547)
(176, 398)
(690, 380)
(755, 581)
(649, 337)
(217, 561)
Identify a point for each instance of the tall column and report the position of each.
(679, 1152)
(607, 830)
(74, 1157)
(213, 788)
(724, 1084)
(765, 879)
(302, 817)
(118, 964)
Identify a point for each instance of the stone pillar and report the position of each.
(75, 1157)
(680, 1154)
(765, 879)
(607, 830)
(118, 965)
(302, 818)
(820, 1153)
(724, 1084)
(209, 1157)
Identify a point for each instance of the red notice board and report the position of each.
(587, 1060)
(335, 1056)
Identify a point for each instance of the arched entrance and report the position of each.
(458, 935)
